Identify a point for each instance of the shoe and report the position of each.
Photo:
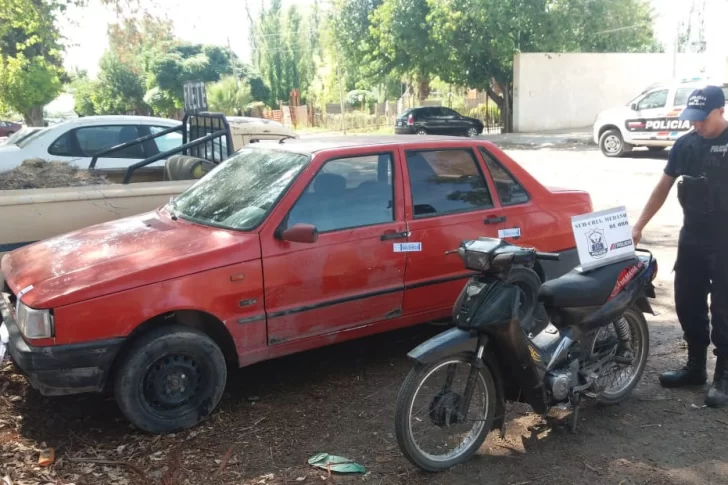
(693, 374)
(718, 394)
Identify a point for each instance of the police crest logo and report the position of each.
(597, 243)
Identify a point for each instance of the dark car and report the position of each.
(7, 128)
(436, 120)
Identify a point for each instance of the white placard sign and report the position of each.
(603, 237)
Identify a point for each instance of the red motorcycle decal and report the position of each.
(625, 277)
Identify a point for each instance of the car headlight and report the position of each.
(34, 323)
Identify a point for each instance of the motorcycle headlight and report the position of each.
(34, 323)
(476, 261)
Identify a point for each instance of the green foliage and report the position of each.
(31, 71)
(120, 89)
(229, 96)
(283, 50)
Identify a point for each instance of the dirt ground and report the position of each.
(340, 400)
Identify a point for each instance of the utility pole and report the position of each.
(232, 63)
(675, 49)
(341, 94)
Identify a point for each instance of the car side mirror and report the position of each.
(302, 233)
(634, 106)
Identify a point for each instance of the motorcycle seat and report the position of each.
(579, 288)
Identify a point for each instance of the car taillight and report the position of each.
(410, 120)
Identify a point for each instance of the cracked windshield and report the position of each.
(395, 242)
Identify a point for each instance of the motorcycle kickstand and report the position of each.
(574, 419)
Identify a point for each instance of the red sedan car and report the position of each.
(7, 128)
(281, 248)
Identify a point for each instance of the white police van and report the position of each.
(649, 120)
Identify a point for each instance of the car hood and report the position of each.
(120, 255)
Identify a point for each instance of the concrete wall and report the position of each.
(563, 91)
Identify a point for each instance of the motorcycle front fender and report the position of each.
(449, 342)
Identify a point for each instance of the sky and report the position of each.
(216, 21)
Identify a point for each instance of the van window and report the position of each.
(654, 100)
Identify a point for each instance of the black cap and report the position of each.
(701, 102)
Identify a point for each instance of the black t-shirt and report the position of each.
(696, 156)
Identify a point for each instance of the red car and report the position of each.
(282, 248)
(7, 128)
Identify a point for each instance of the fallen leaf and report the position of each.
(47, 457)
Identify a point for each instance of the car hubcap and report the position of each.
(612, 144)
(472, 132)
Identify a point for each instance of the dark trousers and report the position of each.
(698, 272)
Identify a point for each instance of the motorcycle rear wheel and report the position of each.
(405, 403)
(638, 327)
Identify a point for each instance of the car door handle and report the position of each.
(495, 220)
(394, 235)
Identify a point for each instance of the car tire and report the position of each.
(170, 379)
(421, 131)
(612, 144)
(472, 132)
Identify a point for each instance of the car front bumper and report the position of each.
(59, 369)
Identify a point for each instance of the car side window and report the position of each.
(348, 193)
(89, 140)
(510, 191)
(656, 99)
(446, 181)
(62, 147)
(168, 141)
(681, 96)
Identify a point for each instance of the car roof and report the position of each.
(122, 119)
(321, 143)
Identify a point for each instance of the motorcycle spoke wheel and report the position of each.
(617, 380)
(431, 431)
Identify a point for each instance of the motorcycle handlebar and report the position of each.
(548, 256)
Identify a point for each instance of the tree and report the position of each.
(283, 50)
(120, 88)
(479, 38)
(230, 95)
(31, 72)
(402, 47)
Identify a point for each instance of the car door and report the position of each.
(448, 201)
(650, 114)
(454, 122)
(520, 219)
(353, 275)
(78, 146)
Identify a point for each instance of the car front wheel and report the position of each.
(612, 144)
(171, 379)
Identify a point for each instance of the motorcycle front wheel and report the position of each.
(440, 409)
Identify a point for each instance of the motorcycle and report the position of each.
(595, 326)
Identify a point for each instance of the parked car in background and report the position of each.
(436, 120)
(281, 248)
(76, 141)
(7, 128)
(649, 120)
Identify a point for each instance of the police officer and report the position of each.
(701, 159)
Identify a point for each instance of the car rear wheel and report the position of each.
(612, 144)
(421, 131)
(171, 379)
(472, 131)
